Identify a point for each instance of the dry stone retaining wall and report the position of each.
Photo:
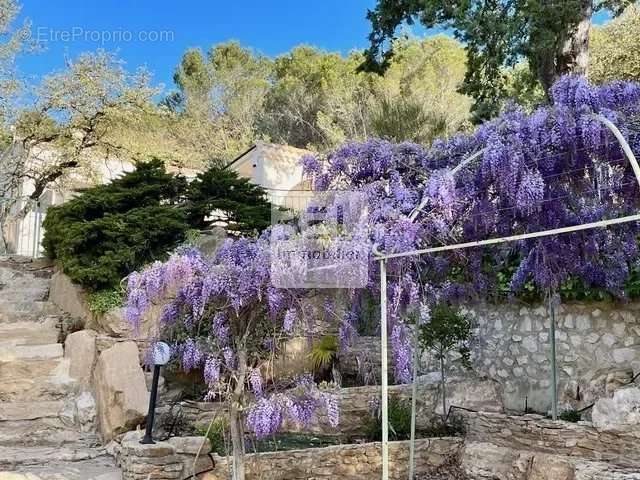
(534, 433)
(598, 350)
(173, 459)
(347, 462)
(593, 339)
(355, 406)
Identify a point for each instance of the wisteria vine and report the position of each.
(223, 316)
(555, 167)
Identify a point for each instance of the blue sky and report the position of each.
(160, 31)
(155, 33)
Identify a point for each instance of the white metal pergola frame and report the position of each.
(383, 258)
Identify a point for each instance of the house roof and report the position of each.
(271, 152)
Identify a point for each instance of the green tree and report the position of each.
(13, 41)
(615, 49)
(71, 128)
(220, 196)
(417, 98)
(110, 230)
(316, 100)
(447, 330)
(552, 35)
(219, 100)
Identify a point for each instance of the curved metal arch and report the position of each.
(626, 148)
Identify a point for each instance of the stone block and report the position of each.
(80, 349)
(121, 394)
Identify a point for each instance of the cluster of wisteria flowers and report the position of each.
(222, 311)
(298, 406)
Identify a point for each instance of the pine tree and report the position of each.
(219, 196)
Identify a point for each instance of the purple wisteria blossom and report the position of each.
(555, 167)
(298, 406)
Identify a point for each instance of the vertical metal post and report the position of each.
(554, 373)
(383, 369)
(414, 395)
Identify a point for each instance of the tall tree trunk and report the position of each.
(444, 392)
(235, 417)
(573, 56)
(237, 442)
(561, 47)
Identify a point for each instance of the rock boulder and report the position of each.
(80, 349)
(69, 297)
(620, 413)
(121, 394)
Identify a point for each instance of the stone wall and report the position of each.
(533, 432)
(177, 458)
(347, 462)
(593, 340)
(531, 447)
(486, 461)
(598, 350)
(355, 407)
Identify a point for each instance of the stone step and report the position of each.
(43, 459)
(29, 333)
(19, 310)
(41, 432)
(24, 294)
(51, 351)
(16, 411)
(32, 378)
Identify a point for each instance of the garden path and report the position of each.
(39, 435)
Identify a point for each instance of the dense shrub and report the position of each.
(399, 421)
(110, 230)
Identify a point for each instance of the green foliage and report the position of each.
(309, 98)
(217, 435)
(447, 330)
(615, 49)
(402, 119)
(101, 301)
(369, 320)
(497, 35)
(573, 416)
(399, 422)
(110, 230)
(324, 353)
(237, 202)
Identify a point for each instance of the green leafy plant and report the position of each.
(217, 435)
(220, 195)
(447, 330)
(573, 416)
(324, 353)
(399, 421)
(101, 301)
(109, 230)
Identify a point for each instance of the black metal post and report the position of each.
(148, 438)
